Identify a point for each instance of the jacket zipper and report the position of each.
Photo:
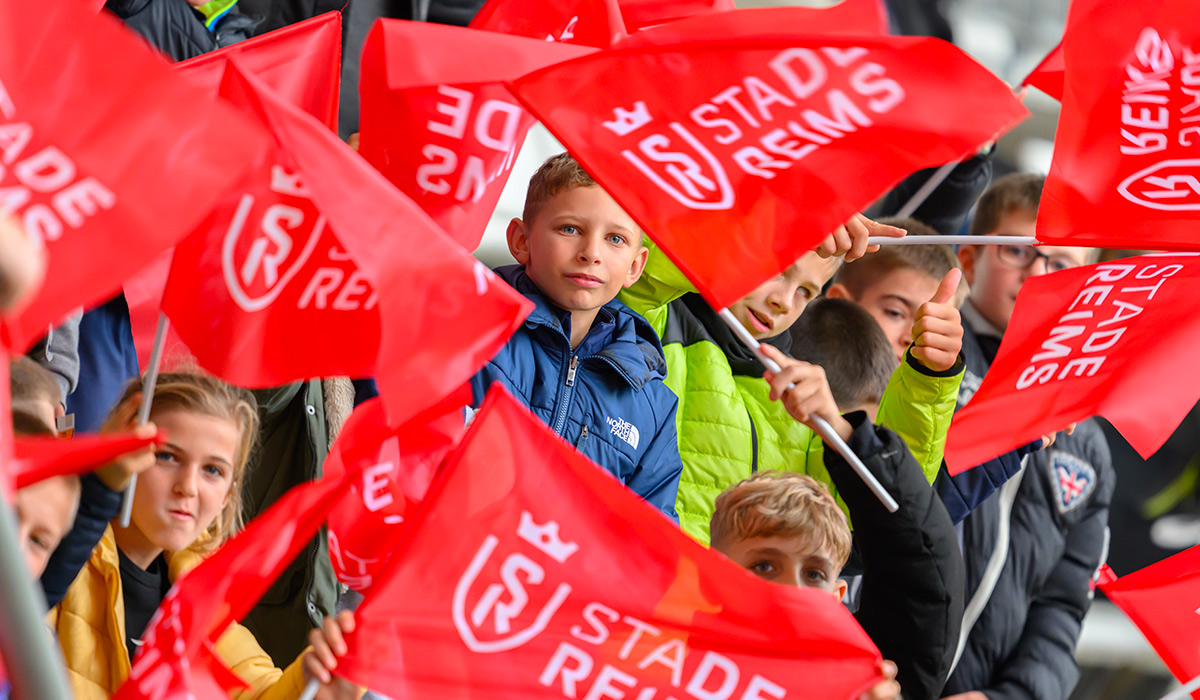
(564, 396)
(753, 444)
(583, 436)
(311, 574)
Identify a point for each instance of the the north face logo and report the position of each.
(626, 431)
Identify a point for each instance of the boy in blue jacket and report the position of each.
(583, 362)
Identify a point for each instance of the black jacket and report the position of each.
(946, 208)
(911, 600)
(174, 28)
(1042, 535)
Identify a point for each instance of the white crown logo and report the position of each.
(545, 537)
(626, 121)
(287, 183)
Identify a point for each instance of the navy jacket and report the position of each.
(606, 398)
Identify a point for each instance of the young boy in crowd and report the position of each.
(34, 390)
(584, 363)
(730, 424)
(1025, 609)
(911, 599)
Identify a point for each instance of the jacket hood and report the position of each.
(634, 349)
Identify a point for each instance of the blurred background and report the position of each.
(1154, 513)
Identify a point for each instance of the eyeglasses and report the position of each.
(1024, 256)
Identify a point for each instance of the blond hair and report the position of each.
(559, 173)
(208, 396)
(781, 504)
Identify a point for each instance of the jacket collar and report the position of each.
(741, 360)
(620, 336)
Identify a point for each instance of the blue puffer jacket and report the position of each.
(608, 398)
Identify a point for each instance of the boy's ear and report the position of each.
(635, 269)
(840, 589)
(968, 255)
(518, 241)
(837, 290)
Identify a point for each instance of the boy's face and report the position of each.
(893, 302)
(775, 305)
(44, 511)
(792, 561)
(580, 250)
(995, 280)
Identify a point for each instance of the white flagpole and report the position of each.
(148, 384)
(926, 189)
(310, 690)
(1183, 691)
(822, 427)
(953, 240)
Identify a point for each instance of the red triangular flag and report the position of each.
(639, 14)
(397, 466)
(107, 156)
(1124, 173)
(437, 120)
(595, 23)
(1087, 342)
(763, 146)
(559, 582)
(1162, 600)
(40, 457)
(1048, 75)
(225, 586)
(301, 62)
(850, 17)
(444, 313)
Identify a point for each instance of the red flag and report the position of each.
(300, 62)
(639, 14)
(40, 457)
(595, 23)
(106, 156)
(444, 314)
(1048, 75)
(1162, 601)
(763, 146)
(1087, 342)
(850, 17)
(221, 590)
(437, 120)
(559, 582)
(397, 465)
(1124, 173)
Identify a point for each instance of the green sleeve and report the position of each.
(918, 404)
(660, 284)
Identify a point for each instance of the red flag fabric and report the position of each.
(38, 457)
(106, 156)
(397, 466)
(1087, 342)
(559, 582)
(639, 14)
(444, 313)
(595, 23)
(437, 120)
(1048, 75)
(301, 63)
(850, 17)
(763, 146)
(1124, 173)
(1161, 600)
(221, 590)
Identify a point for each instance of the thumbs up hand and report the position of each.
(937, 328)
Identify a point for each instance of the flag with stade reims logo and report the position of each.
(437, 120)
(1090, 342)
(1162, 600)
(760, 146)
(319, 252)
(106, 156)
(558, 582)
(397, 467)
(595, 23)
(1125, 172)
(300, 62)
(177, 655)
(40, 457)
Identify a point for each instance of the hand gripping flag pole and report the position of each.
(823, 428)
(148, 384)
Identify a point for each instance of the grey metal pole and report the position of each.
(31, 656)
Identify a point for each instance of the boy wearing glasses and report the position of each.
(1032, 547)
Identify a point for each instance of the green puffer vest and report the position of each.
(729, 428)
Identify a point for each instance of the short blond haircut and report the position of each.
(557, 174)
(209, 396)
(781, 504)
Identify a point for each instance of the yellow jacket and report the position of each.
(90, 623)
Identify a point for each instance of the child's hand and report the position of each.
(887, 689)
(116, 475)
(850, 239)
(937, 328)
(327, 644)
(809, 397)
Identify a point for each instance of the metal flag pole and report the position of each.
(1183, 691)
(926, 189)
(953, 240)
(822, 427)
(148, 384)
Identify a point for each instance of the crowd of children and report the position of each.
(974, 589)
